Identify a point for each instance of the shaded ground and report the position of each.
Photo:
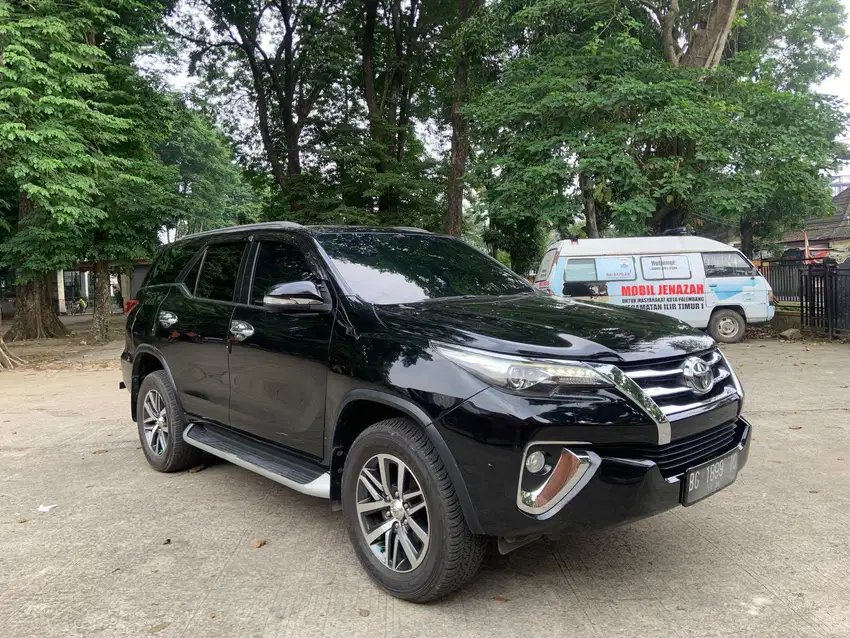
(72, 352)
(130, 552)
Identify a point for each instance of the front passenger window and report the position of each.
(278, 263)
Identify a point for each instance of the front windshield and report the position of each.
(393, 268)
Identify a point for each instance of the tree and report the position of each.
(587, 103)
(453, 224)
(51, 139)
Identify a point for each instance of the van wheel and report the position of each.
(161, 423)
(727, 326)
(403, 515)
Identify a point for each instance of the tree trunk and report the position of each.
(587, 198)
(35, 317)
(453, 224)
(102, 309)
(8, 361)
(707, 43)
(747, 233)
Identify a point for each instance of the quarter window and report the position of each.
(171, 262)
(217, 280)
(726, 265)
(278, 263)
(600, 269)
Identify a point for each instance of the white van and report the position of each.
(700, 281)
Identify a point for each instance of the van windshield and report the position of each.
(393, 268)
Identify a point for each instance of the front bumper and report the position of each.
(621, 490)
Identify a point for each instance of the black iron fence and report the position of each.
(825, 299)
(784, 278)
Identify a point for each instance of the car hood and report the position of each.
(541, 325)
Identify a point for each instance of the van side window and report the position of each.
(217, 280)
(661, 267)
(726, 265)
(580, 270)
(278, 263)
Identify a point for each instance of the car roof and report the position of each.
(310, 230)
(639, 246)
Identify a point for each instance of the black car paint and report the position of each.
(356, 351)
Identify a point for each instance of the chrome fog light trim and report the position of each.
(570, 473)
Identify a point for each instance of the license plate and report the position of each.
(710, 477)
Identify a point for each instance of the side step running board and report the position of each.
(275, 464)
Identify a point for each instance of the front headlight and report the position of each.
(520, 374)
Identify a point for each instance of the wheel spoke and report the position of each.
(408, 548)
(400, 483)
(415, 508)
(376, 533)
(411, 495)
(396, 545)
(367, 483)
(417, 529)
(384, 471)
(365, 508)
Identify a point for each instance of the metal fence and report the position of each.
(784, 278)
(825, 299)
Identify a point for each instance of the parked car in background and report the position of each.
(424, 389)
(703, 282)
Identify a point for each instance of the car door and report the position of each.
(732, 281)
(194, 322)
(279, 372)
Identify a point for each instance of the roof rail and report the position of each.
(244, 227)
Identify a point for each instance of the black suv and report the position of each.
(426, 390)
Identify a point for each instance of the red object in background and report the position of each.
(132, 303)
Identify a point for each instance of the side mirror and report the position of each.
(295, 295)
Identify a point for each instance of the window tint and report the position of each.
(394, 268)
(726, 265)
(218, 273)
(659, 267)
(171, 262)
(546, 265)
(278, 263)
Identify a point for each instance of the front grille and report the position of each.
(676, 457)
(664, 382)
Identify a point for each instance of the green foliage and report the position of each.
(585, 89)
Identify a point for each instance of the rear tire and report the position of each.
(727, 326)
(409, 568)
(161, 422)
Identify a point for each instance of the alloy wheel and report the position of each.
(393, 513)
(155, 422)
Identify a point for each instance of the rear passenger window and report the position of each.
(170, 263)
(218, 273)
(726, 265)
(278, 263)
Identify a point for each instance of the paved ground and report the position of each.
(129, 552)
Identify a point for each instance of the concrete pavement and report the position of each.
(131, 552)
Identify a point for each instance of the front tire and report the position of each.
(161, 422)
(403, 515)
(727, 326)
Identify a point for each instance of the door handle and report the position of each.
(167, 318)
(241, 330)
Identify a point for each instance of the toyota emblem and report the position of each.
(698, 375)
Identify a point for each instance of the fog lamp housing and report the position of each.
(545, 487)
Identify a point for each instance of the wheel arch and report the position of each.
(363, 407)
(737, 308)
(146, 360)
